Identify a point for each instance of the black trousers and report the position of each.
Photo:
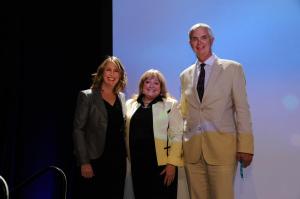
(108, 182)
(150, 185)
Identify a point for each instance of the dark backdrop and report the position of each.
(48, 52)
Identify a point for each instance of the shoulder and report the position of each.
(87, 92)
(170, 102)
(188, 70)
(84, 96)
(121, 95)
(130, 101)
(229, 63)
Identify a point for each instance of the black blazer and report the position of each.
(90, 124)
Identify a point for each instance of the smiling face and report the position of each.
(201, 42)
(111, 75)
(151, 88)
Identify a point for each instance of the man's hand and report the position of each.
(246, 158)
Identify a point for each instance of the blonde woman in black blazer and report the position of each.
(98, 134)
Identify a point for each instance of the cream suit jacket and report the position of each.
(220, 126)
(167, 124)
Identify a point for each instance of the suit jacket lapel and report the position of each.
(98, 100)
(194, 83)
(133, 107)
(217, 68)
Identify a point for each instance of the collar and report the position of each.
(157, 99)
(209, 61)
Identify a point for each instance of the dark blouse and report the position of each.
(115, 144)
(141, 137)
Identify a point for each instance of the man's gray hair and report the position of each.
(201, 25)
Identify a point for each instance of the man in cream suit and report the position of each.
(218, 128)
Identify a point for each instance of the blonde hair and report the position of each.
(98, 76)
(157, 74)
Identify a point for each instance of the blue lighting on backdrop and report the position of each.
(263, 35)
(290, 102)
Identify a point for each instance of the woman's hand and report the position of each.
(87, 171)
(170, 174)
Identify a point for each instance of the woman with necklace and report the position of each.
(154, 130)
(98, 134)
